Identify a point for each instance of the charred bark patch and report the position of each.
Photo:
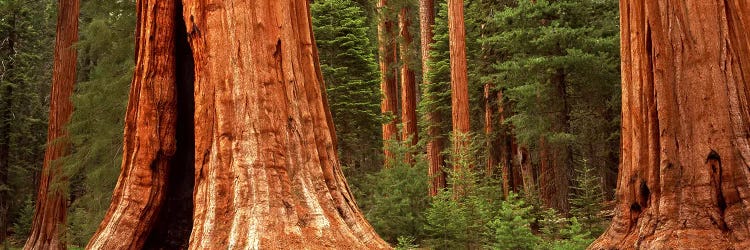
(635, 208)
(713, 160)
(175, 220)
(645, 194)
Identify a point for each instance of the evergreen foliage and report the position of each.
(587, 201)
(352, 79)
(515, 45)
(512, 227)
(394, 199)
(26, 47)
(106, 60)
(436, 96)
(577, 43)
(462, 220)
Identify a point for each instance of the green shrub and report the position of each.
(22, 227)
(394, 199)
(512, 226)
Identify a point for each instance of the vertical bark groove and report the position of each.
(150, 130)
(684, 94)
(175, 220)
(268, 173)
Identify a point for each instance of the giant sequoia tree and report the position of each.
(683, 180)
(459, 79)
(52, 203)
(408, 83)
(387, 54)
(242, 106)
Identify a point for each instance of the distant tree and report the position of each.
(408, 82)
(459, 79)
(587, 198)
(351, 75)
(434, 106)
(105, 52)
(26, 42)
(387, 55)
(52, 198)
(560, 72)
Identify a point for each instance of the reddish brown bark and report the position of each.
(150, 124)
(387, 59)
(266, 171)
(493, 152)
(52, 203)
(408, 85)
(683, 181)
(435, 157)
(527, 170)
(553, 179)
(459, 82)
(511, 164)
(504, 150)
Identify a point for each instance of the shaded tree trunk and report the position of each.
(527, 170)
(489, 130)
(459, 82)
(507, 152)
(387, 58)
(52, 202)
(683, 179)
(435, 159)
(266, 171)
(408, 85)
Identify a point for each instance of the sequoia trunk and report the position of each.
(459, 82)
(683, 179)
(387, 58)
(435, 143)
(52, 202)
(266, 171)
(408, 85)
(150, 132)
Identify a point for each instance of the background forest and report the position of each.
(544, 94)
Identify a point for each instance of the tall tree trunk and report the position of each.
(459, 83)
(505, 150)
(683, 180)
(491, 143)
(555, 160)
(52, 202)
(6, 115)
(435, 157)
(266, 170)
(150, 131)
(527, 170)
(511, 158)
(387, 58)
(408, 85)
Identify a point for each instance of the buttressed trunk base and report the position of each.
(249, 88)
(684, 179)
